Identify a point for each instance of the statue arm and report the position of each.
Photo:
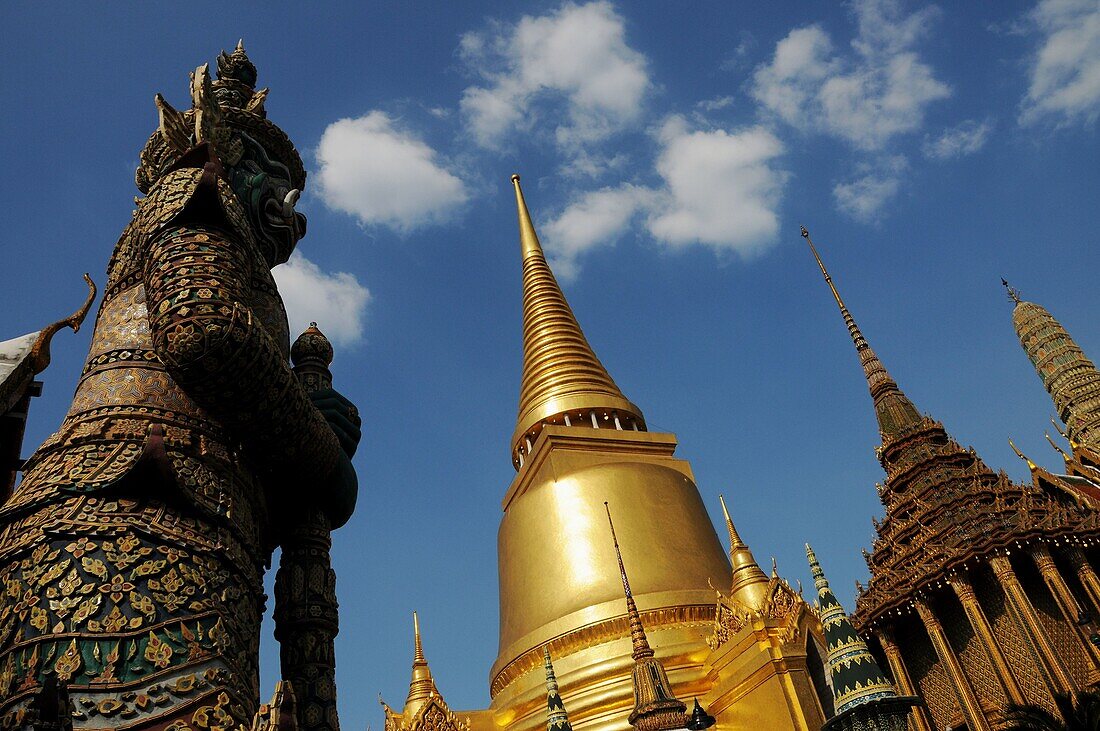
(219, 353)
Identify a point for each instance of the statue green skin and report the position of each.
(133, 552)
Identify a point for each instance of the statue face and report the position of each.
(263, 187)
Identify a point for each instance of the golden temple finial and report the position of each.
(563, 381)
(422, 686)
(893, 409)
(750, 583)
(637, 631)
(1030, 465)
(1013, 293)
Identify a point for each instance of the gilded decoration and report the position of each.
(781, 610)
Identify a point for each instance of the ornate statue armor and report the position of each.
(132, 553)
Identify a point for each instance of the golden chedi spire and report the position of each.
(558, 582)
(1068, 375)
(656, 707)
(893, 409)
(422, 685)
(750, 583)
(563, 381)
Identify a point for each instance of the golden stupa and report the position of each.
(742, 642)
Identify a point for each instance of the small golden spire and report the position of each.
(750, 583)
(1013, 293)
(422, 686)
(893, 409)
(561, 374)
(637, 631)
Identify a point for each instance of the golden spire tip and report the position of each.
(515, 177)
(418, 648)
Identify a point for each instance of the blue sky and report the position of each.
(669, 153)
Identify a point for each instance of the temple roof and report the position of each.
(944, 505)
(15, 369)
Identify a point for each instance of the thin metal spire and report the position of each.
(637, 631)
(893, 408)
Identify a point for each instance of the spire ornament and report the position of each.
(894, 411)
(750, 584)
(656, 707)
(563, 381)
(422, 685)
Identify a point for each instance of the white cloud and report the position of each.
(337, 302)
(595, 219)
(713, 105)
(719, 188)
(865, 98)
(864, 197)
(965, 138)
(798, 69)
(384, 175)
(1065, 73)
(576, 56)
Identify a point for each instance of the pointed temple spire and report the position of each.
(557, 718)
(893, 409)
(856, 677)
(422, 686)
(563, 380)
(750, 583)
(1068, 375)
(637, 632)
(656, 707)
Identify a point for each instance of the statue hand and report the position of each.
(342, 417)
